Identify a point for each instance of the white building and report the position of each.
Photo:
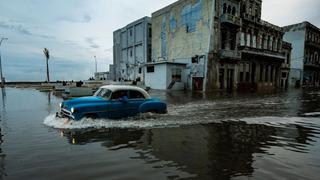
(305, 60)
(112, 74)
(132, 50)
(166, 75)
(101, 76)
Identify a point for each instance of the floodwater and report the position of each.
(220, 136)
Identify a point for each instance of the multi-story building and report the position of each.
(285, 67)
(223, 43)
(181, 34)
(112, 74)
(132, 49)
(305, 66)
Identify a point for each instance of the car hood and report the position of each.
(83, 100)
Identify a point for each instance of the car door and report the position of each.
(118, 108)
(136, 98)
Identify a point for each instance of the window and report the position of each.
(130, 52)
(140, 70)
(241, 69)
(229, 9)
(119, 94)
(130, 31)
(267, 74)
(223, 39)
(150, 32)
(105, 93)
(135, 95)
(284, 75)
(234, 11)
(176, 75)
(272, 71)
(261, 72)
(224, 8)
(247, 76)
(150, 69)
(241, 76)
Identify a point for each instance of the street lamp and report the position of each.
(2, 79)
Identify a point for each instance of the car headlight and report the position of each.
(73, 110)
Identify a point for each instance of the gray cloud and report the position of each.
(84, 19)
(91, 43)
(22, 30)
(71, 43)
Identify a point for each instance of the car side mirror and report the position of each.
(124, 99)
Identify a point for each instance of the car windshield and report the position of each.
(104, 93)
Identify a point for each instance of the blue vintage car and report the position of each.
(112, 102)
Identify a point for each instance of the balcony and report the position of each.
(285, 66)
(230, 19)
(230, 54)
(312, 44)
(268, 54)
(310, 65)
(271, 26)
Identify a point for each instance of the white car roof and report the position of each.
(114, 88)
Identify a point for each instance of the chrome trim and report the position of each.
(66, 114)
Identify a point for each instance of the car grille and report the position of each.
(66, 114)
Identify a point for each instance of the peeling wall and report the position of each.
(181, 30)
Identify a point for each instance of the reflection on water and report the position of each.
(204, 136)
(2, 155)
(215, 151)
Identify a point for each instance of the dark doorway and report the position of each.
(253, 74)
(198, 83)
(230, 79)
(221, 78)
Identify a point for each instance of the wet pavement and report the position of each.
(203, 136)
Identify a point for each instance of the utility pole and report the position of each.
(2, 78)
(95, 59)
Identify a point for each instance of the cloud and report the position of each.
(84, 19)
(91, 43)
(22, 30)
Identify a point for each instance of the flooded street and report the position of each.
(219, 136)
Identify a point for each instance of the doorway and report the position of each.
(230, 79)
(198, 83)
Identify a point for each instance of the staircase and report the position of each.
(171, 85)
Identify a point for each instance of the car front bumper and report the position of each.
(65, 114)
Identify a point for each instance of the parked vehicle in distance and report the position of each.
(112, 102)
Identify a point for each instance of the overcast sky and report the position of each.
(76, 30)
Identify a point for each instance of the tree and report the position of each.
(47, 56)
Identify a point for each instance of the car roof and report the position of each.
(114, 88)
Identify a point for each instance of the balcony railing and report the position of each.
(262, 52)
(230, 54)
(313, 44)
(265, 23)
(261, 22)
(285, 66)
(228, 18)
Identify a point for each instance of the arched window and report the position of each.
(224, 8)
(229, 9)
(244, 8)
(263, 41)
(234, 11)
(316, 60)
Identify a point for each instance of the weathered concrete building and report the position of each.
(305, 66)
(224, 44)
(181, 32)
(132, 49)
(112, 73)
(285, 67)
